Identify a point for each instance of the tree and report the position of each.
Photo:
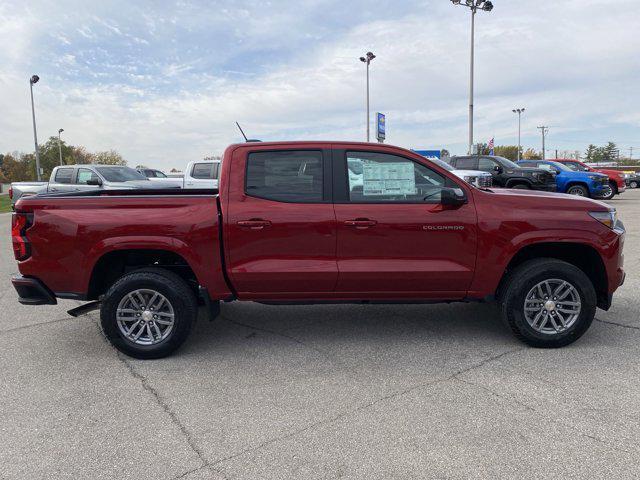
(110, 157)
(531, 154)
(591, 152)
(18, 167)
(212, 157)
(141, 167)
(444, 153)
(610, 152)
(507, 151)
(80, 156)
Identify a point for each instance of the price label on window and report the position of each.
(380, 179)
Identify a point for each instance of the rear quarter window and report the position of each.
(205, 171)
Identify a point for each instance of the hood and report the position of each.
(610, 173)
(552, 197)
(471, 173)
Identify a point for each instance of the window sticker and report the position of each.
(388, 179)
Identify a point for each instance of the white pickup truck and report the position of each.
(202, 174)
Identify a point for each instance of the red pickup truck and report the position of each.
(617, 182)
(318, 222)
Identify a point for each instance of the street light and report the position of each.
(474, 6)
(367, 59)
(60, 130)
(32, 81)
(519, 111)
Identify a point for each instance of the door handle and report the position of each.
(254, 224)
(360, 223)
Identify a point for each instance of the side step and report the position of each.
(86, 308)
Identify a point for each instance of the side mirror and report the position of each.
(96, 182)
(497, 169)
(454, 197)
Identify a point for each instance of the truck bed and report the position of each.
(73, 234)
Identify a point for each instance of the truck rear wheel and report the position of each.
(148, 313)
(548, 303)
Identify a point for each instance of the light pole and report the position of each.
(519, 111)
(367, 59)
(544, 130)
(60, 130)
(474, 5)
(33, 80)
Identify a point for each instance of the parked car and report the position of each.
(79, 178)
(202, 174)
(583, 184)
(507, 174)
(632, 179)
(616, 184)
(474, 177)
(289, 227)
(158, 176)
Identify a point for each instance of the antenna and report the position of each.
(242, 132)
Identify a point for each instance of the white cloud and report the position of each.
(572, 64)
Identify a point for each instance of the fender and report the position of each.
(511, 181)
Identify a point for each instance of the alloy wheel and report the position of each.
(145, 317)
(552, 306)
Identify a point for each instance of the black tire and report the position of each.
(522, 186)
(523, 279)
(176, 291)
(611, 192)
(578, 190)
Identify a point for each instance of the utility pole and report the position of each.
(367, 59)
(544, 131)
(630, 153)
(476, 5)
(32, 81)
(519, 111)
(60, 130)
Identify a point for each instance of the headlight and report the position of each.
(594, 177)
(608, 219)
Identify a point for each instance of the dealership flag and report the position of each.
(491, 147)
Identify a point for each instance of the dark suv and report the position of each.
(507, 174)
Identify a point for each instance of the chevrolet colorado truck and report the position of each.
(288, 226)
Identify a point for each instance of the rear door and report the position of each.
(280, 226)
(395, 239)
(63, 180)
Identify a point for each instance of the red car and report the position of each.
(617, 183)
(318, 222)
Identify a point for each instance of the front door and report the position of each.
(280, 226)
(394, 235)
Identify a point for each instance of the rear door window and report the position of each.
(204, 171)
(63, 175)
(285, 176)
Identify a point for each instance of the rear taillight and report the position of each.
(10, 193)
(20, 222)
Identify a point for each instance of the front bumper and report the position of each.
(32, 291)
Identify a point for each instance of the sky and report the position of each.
(164, 82)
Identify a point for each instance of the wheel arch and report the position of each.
(581, 255)
(114, 264)
(518, 181)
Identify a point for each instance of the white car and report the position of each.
(202, 174)
(474, 177)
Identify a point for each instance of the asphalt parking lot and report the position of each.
(440, 391)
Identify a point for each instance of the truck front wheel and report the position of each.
(548, 303)
(148, 313)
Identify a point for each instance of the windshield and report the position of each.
(120, 174)
(442, 163)
(576, 167)
(560, 166)
(505, 162)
